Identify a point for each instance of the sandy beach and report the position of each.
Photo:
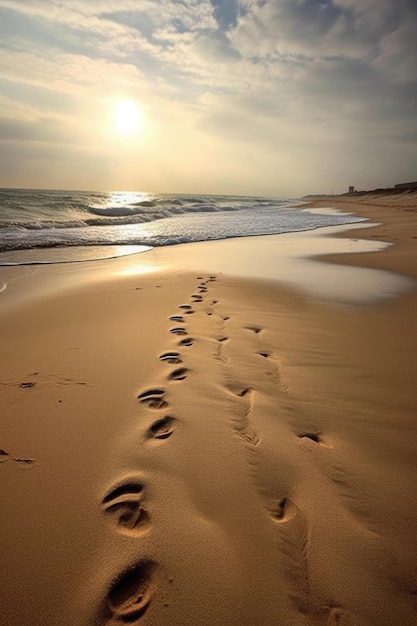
(183, 446)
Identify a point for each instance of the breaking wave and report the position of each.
(35, 219)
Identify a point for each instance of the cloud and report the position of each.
(270, 82)
(39, 130)
(312, 28)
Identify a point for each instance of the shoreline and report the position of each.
(396, 214)
(188, 447)
(290, 260)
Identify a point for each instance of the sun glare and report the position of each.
(127, 117)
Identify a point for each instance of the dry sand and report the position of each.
(187, 449)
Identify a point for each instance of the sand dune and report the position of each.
(184, 448)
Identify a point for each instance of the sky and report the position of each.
(256, 97)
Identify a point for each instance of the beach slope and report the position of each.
(184, 448)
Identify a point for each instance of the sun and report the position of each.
(127, 116)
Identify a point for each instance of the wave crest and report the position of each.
(122, 211)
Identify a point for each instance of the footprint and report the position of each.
(132, 487)
(223, 339)
(186, 342)
(264, 354)
(178, 331)
(247, 434)
(131, 593)
(293, 542)
(316, 437)
(171, 357)
(242, 424)
(254, 329)
(190, 312)
(284, 511)
(238, 390)
(5, 456)
(184, 306)
(226, 318)
(339, 617)
(211, 279)
(214, 301)
(197, 298)
(162, 429)
(176, 318)
(179, 374)
(125, 503)
(153, 398)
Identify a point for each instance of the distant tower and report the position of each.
(351, 189)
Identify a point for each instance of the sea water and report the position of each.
(42, 227)
(58, 226)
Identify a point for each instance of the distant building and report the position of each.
(351, 189)
(406, 185)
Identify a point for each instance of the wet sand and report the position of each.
(199, 447)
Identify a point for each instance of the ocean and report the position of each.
(52, 226)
